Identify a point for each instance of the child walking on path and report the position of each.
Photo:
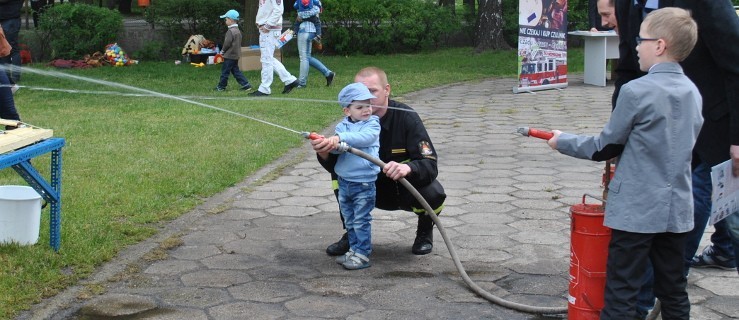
(361, 130)
(650, 204)
(231, 53)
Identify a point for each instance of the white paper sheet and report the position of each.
(725, 196)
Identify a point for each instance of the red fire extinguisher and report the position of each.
(588, 254)
(589, 240)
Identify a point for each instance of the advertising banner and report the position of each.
(542, 45)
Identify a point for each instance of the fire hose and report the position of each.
(343, 147)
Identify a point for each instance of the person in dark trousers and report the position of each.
(231, 52)
(409, 153)
(652, 130)
(606, 11)
(7, 103)
(10, 19)
(712, 66)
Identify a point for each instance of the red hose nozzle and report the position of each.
(312, 135)
(526, 131)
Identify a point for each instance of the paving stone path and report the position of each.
(256, 251)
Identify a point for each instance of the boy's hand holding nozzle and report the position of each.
(322, 144)
(553, 141)
(551, 137)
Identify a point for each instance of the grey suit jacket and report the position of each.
(655, 123)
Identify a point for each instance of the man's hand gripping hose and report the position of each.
(457, 263)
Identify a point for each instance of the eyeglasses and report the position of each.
(640, 39)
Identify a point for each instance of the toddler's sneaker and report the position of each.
(710, 259)
(219, 89)
(345, 257)
(247, 87)
(356, 261)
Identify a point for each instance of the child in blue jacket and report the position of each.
(360, 130)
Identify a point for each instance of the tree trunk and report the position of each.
(469, 7)
(490, 26)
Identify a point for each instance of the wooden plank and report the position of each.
(21, 137)
(12, 123)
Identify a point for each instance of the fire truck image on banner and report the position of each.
(542, 45)
(543, 69)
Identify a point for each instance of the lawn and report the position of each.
(132, 163)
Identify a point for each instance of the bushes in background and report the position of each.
(74, 30)
(386, 26)
(182, 18)
(368, 26)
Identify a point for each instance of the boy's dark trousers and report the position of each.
(628, 255)
(231, 66)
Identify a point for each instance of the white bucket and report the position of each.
(20, 215)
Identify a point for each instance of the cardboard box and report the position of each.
(249, 59)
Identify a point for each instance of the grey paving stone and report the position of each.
(293, 211)
(215, 278)
(247, 310)
(117, 305)
(170, 267)
(194, 252)
(266, 291)
(192, 297)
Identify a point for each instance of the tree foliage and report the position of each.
(183, 18)
(386, 26)
(74, 30)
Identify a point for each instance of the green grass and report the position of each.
(133, 163)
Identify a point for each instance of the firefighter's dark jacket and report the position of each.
(403, 139)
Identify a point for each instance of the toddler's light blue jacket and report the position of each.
(364, 136)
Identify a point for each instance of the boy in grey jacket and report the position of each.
(650, 205)
(361, 130)
(231, 52)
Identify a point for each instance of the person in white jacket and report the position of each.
(269, 22)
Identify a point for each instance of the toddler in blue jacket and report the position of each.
(360, 130)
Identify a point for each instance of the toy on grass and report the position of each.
(116, 56)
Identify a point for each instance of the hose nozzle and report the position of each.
(311, 135)
(528, 132)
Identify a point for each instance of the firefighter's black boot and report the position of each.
(340, 247)
(424, 242)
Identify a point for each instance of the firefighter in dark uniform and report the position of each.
(407, 150)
